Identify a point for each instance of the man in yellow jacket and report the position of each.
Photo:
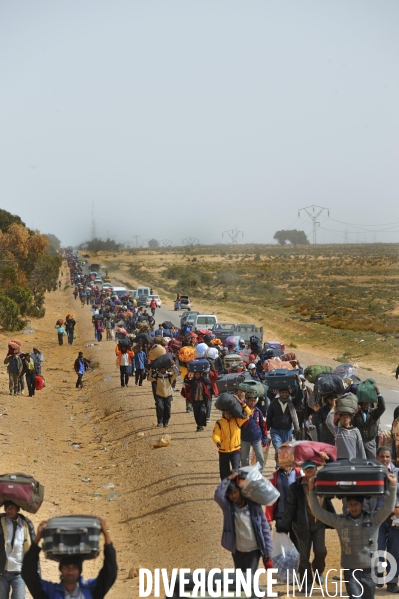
(227, 437)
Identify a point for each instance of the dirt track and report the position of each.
(164, 514)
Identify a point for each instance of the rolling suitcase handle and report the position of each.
(71, 531)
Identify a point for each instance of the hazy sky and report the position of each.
(191, 117)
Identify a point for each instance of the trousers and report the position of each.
(225, 460)
(163, 408)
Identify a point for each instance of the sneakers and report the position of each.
(166, 425)
(199, 428)
(392, 588)
(159, 424)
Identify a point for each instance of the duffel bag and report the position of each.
(164, 361)
(123, 343)
(230, 382)
(229, 403)
(72, 535)
(311, 372)
(358, 476)
(252, 388)
(327, 383)
(23, 490)
(365, 391)
(346, 404)
(256, 487)
(201, 365)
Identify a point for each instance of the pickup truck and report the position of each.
(222, 330)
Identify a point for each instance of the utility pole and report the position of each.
(190, 241)
(93, 224)
(314, 217)
(166, 242)
(136, 238)
(233, 234)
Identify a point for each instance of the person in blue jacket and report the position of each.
(139, 360)
(253, 433)
(72, 584)
(246, 533)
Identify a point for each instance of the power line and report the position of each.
(234, 235)
(314, 217)
(190, 241)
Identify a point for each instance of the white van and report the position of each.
(132, 293)
(203, 322)
(119, 291)
(143, 291)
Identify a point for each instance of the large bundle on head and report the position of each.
(296, 453)
(365, 391)
(328, 384)
(155, 352)
(226, 402)
(23, 490)
(311, 372)
(346, 404)
(14, 347)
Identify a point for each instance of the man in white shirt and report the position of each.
(16, 536)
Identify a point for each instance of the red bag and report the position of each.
(213, 376)
(40, 383)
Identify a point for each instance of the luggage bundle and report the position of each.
(72, 535)
(252, 388)
(282, 378)
(155, 351)
(40, 382)
(345, 371)
(230, 382)
(175, 346)
(365, 391)
(328, 384)
(358, 476)
(227, 402)
(23, 490)
(346, 404)
(202, 365)
(201, 350)
(256, 487)
(164, 361)
(256, 344)
(233, 362)
(295, 453)
(311, 372)
(124, 342)
(203, 332)
(285, 556)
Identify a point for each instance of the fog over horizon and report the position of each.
(186, 119)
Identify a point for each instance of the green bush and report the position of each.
(9, 315)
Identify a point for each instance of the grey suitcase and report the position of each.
(72, 535)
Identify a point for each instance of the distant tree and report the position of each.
(55, 243)
(295, 237)
(153, 244)
(7, 219)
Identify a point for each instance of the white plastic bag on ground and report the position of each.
(285, 556)
(256, 487)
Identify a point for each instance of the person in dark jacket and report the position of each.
(253, 434)
(70, 323)
(308, 530)
(80, 366)
(281, 417)
(139, 360)
(246, 533)
(16, 536)
(323, 432)
(72, 583)
(366, 420)
(198, 392)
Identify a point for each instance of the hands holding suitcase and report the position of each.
(392, 479)
(43, 524)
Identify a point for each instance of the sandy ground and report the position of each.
(161, 511)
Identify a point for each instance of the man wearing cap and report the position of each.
(16, 536)
(72, 585)
(307, 529)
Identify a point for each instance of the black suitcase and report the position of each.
(230, 382)
(201, 365)
(72, 535)
(281, 378)
(352, 477)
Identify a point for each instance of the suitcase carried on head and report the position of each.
(124, 342)
(358, 476)
(282, 378)
(233, 362)
(72, 535)
(230, 382)
(23, 490)
(202, 365)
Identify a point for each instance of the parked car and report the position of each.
(185, 303)
(222, 330)
(184, 317)
(107, 287)
(149, 299)
(203, 321)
